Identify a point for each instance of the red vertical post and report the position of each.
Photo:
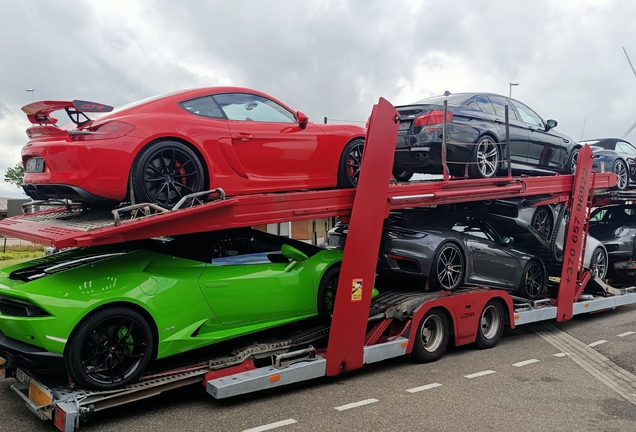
(574, 237)
(345, 350)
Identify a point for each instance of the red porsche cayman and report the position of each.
(169, 146)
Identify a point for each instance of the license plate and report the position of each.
(405, 125)
(3, 372)
(35, 165)
(22, 377)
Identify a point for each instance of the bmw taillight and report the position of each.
(104, 131)
(433, 118)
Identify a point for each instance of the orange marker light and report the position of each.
(274, 378)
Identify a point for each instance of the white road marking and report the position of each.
(478, 374)
(593, 344)
(525, 362)
(356, 404)
(271, 426)
(424, 387)
(560, 354)
(625, 334)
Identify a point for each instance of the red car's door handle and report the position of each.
(244, 136)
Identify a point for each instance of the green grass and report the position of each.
(18, 254)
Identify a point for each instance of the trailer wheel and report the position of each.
(433, 333)
(166, 171)
(109, 349)
(327, 294)
(349, 165)
(491, 325)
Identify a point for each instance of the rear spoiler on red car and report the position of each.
(39, 112)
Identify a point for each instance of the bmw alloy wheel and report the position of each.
(620, 169)
(487, 157)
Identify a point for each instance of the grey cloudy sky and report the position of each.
(324, 57)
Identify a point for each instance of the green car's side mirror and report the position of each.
(294, 255)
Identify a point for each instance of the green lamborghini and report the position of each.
(103, 313)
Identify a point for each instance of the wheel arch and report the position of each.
(126, 305)
(197, 151)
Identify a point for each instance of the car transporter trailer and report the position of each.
(362, 330)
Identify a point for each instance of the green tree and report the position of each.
(15, 174)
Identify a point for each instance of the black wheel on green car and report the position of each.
(327, 294)
(109, 349)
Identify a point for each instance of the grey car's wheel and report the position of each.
(622, 174)
(350, 162)
(484, 161)
(448, 268)
(432, 337)
(542, 222)
(598, 263)
(533, 280)
(574, 157)
(491, 325)
(403, 176)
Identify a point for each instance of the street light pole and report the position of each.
(512, 85)
(32, 94)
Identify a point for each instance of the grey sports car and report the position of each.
(615, 226)
(449, 249)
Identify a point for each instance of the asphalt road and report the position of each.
(526, 383)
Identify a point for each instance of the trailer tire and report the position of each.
(491, 325)
(109, 349)
(433, 334)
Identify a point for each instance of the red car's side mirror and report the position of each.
(302, 119)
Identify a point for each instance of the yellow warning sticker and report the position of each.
(356, 290)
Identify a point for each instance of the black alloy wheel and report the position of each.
(533, 280)
(432, 336)
(350, 163)
(165, 172)
(542, 222)
(598, 263)
(402, 176)
(327, 294)
(491, 325)
(485, 158)
(447, 271)
(109, 349)
(622, 174)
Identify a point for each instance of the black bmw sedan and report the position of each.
(475, 129)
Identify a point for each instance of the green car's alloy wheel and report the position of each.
(327, 293)
(109, 349)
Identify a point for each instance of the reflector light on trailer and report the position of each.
(274, 378)
(39, 394)
(60, 419)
